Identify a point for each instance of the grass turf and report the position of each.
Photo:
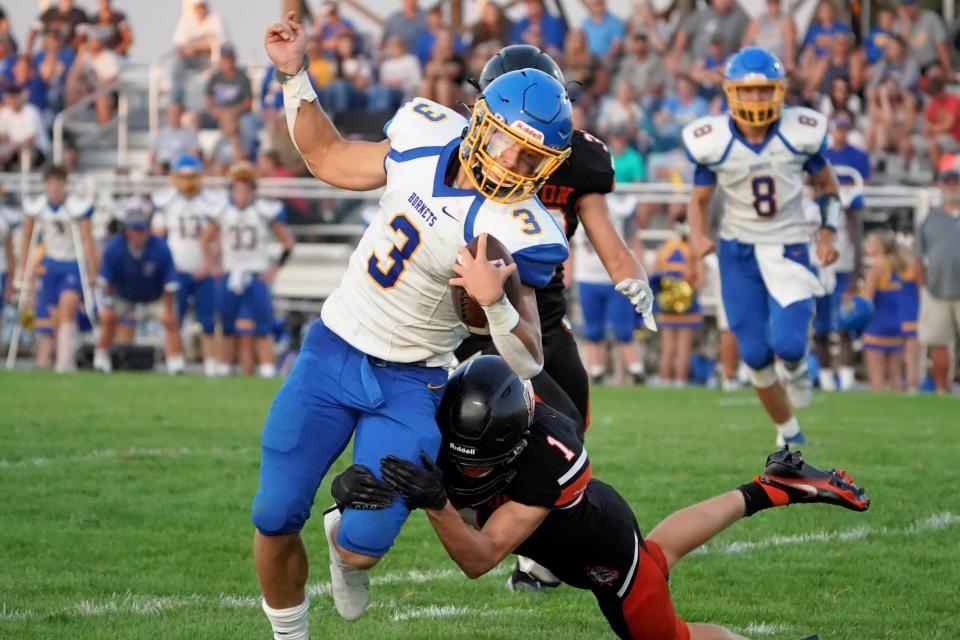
(124, 505)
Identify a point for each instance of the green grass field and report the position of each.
(124, 513)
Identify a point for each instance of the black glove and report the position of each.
(423, 488)
(357, 488)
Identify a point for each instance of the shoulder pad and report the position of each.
(591, 160)
(707, 139)
(77, 207)
(32, 207)
(163, 197)
(269, 209)
(423, 123)
(804, 130)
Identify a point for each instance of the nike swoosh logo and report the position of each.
(448, 214)
(435, 387)
(811, 491)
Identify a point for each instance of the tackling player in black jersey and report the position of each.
(574, 194)
(515, 478)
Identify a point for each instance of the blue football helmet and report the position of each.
(754, 67)
(519, 134)
(855, 315)
(187, 175)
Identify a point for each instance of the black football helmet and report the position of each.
(517, 57)
(484, 418)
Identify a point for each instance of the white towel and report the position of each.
(238, 280)
(787, 281)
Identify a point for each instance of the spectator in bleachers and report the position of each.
(229, 99)
(427, 41)
(776, 32)
(552, 30)
(492, 24)
(270, 165)
(113, 26)
(53, 63)
(841, 98)
(581, 66)
(628, 165)
(400, 77)
(824, 29)
(619, 112)
(842, 61)
(642, 68)
(354, 77)
(937, 265)
(445, 72)
(172, 141)
(941, 126)
(708, 72)
(21, 131)
(604, 31)
(693, 38)
(659, 27)
(24, 75)
(8, 56)
(879, 35)
(199, 34)
(329, 26)
(893, 114)
(896, 62)
(926, 35)
(5, 32)
(321, 70)
(95, 68)
(64, 18)
(407, 23)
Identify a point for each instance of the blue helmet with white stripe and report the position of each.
(758, 69)
(855, 314)
(519, 134)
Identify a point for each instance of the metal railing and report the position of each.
(158, 73)
(59, 123)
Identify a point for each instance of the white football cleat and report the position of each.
(101, 361)
(349, 587)
(799, 386)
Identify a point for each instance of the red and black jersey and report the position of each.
(589, 169)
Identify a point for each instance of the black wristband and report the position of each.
(284, 257)
(282, 77)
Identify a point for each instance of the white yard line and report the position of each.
(124, 454)
(147, 605)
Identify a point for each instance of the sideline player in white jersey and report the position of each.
(757, 156)
(61, 289)
(376, 362)
(245, 272)
(181, 211)
(9, 220)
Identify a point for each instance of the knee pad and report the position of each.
(764, 377)
(755, 352)
(278, 511)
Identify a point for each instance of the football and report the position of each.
(469, 311)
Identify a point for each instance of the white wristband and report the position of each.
(295, 89)
(501, 316)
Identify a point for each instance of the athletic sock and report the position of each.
(175, 364)
(66, 347)
(790, 428)
(210, 366)
(847, 378)
(267, 370)
(827, 380)
(289, 624)
(758, 496)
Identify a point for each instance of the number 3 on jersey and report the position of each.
(764, 196)
(388, 278)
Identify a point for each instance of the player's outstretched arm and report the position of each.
(357, 166)
(828, 189)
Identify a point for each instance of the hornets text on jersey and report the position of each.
(589, 169)
(55, 221)
(762, 184)
(182, 220)
(393, 302)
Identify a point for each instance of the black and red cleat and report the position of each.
(789, 479)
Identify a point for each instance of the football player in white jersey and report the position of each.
(61, 289)
(181, 211)
(376, 362)
(244, 226)
(758, 156)
(8, 222)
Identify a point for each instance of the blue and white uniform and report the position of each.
(767, 283)
(376, 362)
(245, 234)
(135, 277)
(61, 271)
(181, 221)
(8, 222)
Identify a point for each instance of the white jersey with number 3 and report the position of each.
(394, 300)
(182, 220)
(762, 184)
(245, 234)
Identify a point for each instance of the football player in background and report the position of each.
(376, 361)
(9, 221)
(181, 211)
(244, 226)
(137, 269)
(574, 193)
(757, 155)
(61, 289)
(513, 477)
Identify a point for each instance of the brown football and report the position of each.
(469, 311)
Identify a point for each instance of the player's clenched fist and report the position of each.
(482, 279)
(826, 251)
(286, 44)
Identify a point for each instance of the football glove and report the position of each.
(640, 295)
(357, 488)
(422, 487)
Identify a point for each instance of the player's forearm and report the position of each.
(516, 333)
(474, 553)
(855, 233)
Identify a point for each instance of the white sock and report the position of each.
(596, 372)
(636, 369)
(289, 624)
(210, 366)
(66, 347)
(267, 370)
(176, 364)
(847, 378)
(827, 381)
(790, 428)
(222, 369)
(101, 360)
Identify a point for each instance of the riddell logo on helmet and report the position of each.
(527, 130)
(465, 450)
